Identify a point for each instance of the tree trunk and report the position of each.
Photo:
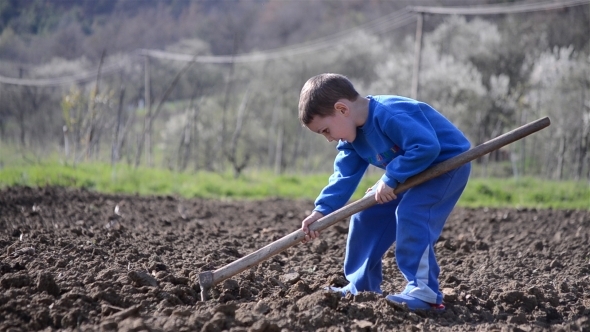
(417, 57)
(279, 151)
(514, 163)
(297, 150)
(486, 158)
(186, 139)
(21, 114)
(228, 88)
(232, 156)
(115, 144)
(148, 110)
(91, 134)
(66, 143)
(560, 157)
(584, 143)
(584, 146)
(523, 120)
(272, 133)
(21, 125)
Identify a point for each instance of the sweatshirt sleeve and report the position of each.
(349, 168)
(419, 141)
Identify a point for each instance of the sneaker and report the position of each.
(340, 290)
(414, 303)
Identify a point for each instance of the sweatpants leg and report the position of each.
(371, 232)
(421, 215)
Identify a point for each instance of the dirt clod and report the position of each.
(61, 268)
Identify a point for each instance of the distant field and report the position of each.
(480, 192)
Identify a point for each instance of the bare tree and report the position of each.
(146, 135)
(120, 130)
(92, 134)
(189, 135)
(232, 155)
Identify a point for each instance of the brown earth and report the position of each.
(67, 262)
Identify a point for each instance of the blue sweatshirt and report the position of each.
(402, 136)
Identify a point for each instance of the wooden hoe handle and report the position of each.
(210, 278)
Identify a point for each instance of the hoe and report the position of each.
(209, 279)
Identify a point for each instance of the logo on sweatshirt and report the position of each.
(383, 158)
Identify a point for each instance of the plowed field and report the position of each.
(68, 262)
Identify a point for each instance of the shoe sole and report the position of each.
(415, 304)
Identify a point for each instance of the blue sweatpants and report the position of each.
(415, 221)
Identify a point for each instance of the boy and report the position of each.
(403, 137)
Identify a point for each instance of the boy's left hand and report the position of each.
(384, 193)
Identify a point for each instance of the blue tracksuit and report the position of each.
(404, 137)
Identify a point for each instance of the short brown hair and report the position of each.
(321, 92)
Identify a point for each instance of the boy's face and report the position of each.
(338, 126)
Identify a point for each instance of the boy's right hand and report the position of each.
(310, 235)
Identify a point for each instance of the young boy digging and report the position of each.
(404, 137)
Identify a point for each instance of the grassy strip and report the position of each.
(480, 192)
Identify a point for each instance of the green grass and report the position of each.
(527, 192)
(480, 192)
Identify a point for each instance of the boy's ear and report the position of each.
(342, 107)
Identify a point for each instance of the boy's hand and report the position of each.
(384, 193)
(310, 235)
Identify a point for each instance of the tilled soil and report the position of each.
(68, 262)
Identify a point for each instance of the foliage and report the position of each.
(488, 74)
(555, 79)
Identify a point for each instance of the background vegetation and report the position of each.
(211, 87)
(480, 192)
